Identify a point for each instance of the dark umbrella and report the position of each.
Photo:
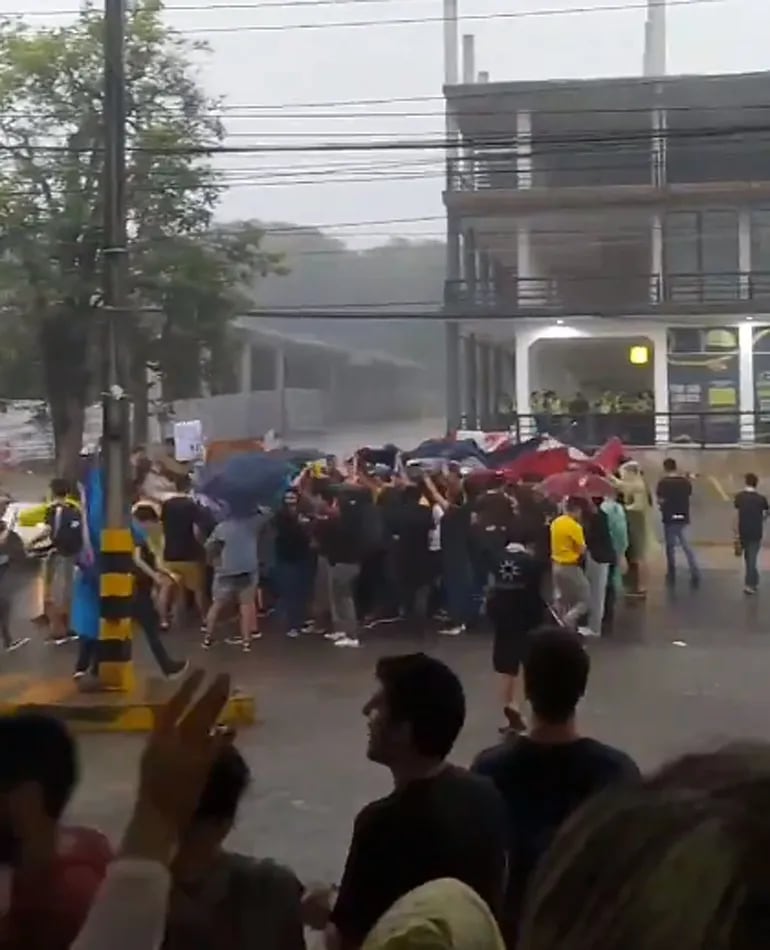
(247, 482)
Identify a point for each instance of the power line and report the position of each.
(400, 21)
(541, 145)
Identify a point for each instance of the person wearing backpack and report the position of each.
(63, 527)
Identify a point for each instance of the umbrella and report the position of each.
(583, 483)
(247, 482)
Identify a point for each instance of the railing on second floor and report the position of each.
(596, 293)
(592, 429)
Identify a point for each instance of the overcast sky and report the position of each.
(284, 67)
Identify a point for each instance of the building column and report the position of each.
(451, 328)
(280, 388)
(471, 383)
(659, 340)
(744, 252)
(521, 379)
(497, 380)
(657, 276)
(245, 371)
(523, 149)
(747, 391)
(487, 385)
(470, 264)
(523, 181)
(452, 344)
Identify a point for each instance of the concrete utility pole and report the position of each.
(655, 39)
(116, 586)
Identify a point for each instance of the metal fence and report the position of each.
(639, 429)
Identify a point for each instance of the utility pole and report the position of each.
(116, 582)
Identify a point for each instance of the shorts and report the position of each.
(191, 574)
(59, 578)
(511, 629)
(240, 587)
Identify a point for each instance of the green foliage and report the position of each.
(51, 168)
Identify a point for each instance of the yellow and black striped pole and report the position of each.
(116, 588)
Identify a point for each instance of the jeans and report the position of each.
(145, 614)
(294, 580)
(457, 574)
(673, 535)
(751, 551)
(342, 581)
(597, 575)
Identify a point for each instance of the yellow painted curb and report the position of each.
(111, 711)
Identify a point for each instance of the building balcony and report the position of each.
(617, 295)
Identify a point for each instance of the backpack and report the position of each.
(66, 524)
(361, 520)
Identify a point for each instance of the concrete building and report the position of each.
(632, 211)
(296, 384)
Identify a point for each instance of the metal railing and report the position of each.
(580, 294)
(712, 429)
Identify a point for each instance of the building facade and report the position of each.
(612, 209)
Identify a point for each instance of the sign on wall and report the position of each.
(761, 358)
(704, 384)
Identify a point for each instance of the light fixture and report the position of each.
(559, 323)
(749, 319)
(639, 355)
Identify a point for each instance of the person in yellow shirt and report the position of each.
(568, 547)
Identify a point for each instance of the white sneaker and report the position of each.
(588, 632)
(453, 631)
(15, 644)
(334, 636)
(346, 641)
(293, 633)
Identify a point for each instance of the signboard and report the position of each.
(704, 377)
(761, 359)
(188, 441)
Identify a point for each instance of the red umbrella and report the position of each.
(583, 483)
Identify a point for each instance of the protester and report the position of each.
(679, 861)
(232, 550)
(184, 528)
(340, 543)
(673, 493)
(515, 607)
(456, 568)
(63, 528)
(150, 580)
(129, 911)
(12, 557)
(443, 915)
(295, 563)
(56, 870)
(568, 549)
(439, 821)
(222, 899)
(637, 502)
(618, 526)
(751, 511)
(600, 556)
(546, 775)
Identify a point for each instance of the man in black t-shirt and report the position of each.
(439, 821)
(546, 775)
(750, 513)
(674, 492)
(184, 525)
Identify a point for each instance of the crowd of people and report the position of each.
(551, 840)
(352, 548)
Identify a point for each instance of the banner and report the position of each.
(704, 377)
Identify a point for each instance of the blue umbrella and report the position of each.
(246, 482)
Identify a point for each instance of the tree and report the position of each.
(51, 168)
(199, 282)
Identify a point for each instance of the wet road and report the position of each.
(648, 694)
